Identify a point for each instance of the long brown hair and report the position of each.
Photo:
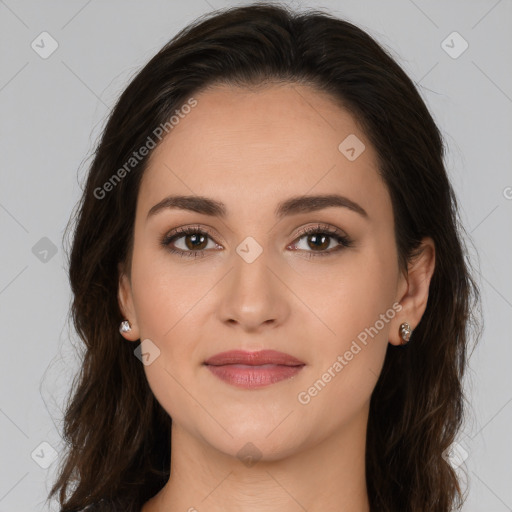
(118, 435)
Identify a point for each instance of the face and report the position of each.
(252, 280)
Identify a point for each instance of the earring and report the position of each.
(405, 332)
(125, 327)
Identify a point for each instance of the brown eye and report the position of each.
(189, 241)
(195, 241)
(319, 239)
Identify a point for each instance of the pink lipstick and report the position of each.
(251, 370)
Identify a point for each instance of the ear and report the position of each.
(413, 290)
(125, 301)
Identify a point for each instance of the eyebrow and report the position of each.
(291, 206)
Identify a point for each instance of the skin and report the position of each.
(250, 149)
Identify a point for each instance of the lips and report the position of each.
(253, 358)
(252, 370)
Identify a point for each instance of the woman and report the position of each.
(269, 215)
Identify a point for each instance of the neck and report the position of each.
(328, 475)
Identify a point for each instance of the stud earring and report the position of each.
(125, 327)
(405, 332)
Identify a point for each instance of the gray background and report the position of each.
(52, 111)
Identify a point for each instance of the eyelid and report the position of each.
(304, 230)
(193, 228)
(319, 226)
(343, 239)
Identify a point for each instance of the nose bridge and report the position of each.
(251, 276)
(254, 295)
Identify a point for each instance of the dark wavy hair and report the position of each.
(117, 434)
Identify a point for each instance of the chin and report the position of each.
(254, 444)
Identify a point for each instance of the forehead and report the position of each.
(249, 145)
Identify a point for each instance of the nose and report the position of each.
(254, 295)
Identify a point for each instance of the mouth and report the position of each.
(252, 370)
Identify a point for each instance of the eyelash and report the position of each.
(335, 233)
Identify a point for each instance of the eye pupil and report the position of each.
(317, 237)
(195, 237)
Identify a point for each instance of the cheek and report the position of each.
(167, 297)
(165, 291)
(165, 302)
(349, 362)
(348, 293)
(355, 304)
